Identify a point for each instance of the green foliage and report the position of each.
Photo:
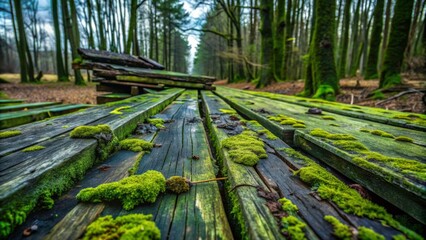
(245, 148)
(341, 231)
(11, 133)
(377, 95)
(135, 145)
(132, 226)
(365, 233)
(3, 95)
(90, 131)
(118, 111)
(293, 227)
(33, 148)
(177, 184)
(130, 191)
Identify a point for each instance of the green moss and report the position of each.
(177, 184)
(328, 118)
(11, 133)
(65, 126)
(245, 148)
(132, 226)
(404, 139)
(365, 233)
(298, 125)
(130, 191)
(349, 145)
(90, 131)
(33, 148)
(381, 133)
(293, 227)
(268, 134)
(334, 125)
(317, 132)
(286, 120)
(228, 111)
(300, 158)
(326, 92)
(340, 230)
(135, 145)
(157, 122)
(45, 201)
(118, 111)
(77, 60)
(377, 95)
(365, 130)
(399, 237)
(288, 206)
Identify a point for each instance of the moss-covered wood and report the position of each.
(170, 83)
(398, 37)
(198, 213)
(26, 106)
(266, 111)
(376, 37)
(25, 177)
(8, 102)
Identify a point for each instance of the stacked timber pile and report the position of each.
(127, 75)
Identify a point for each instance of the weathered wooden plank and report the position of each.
(118, 58)
(277, 171)
(24, 106)
(257, 220)
(260, 109)
(395, 118)
(13, 119)
(199, 213)
(111, 97)
(166, 82)
(52, 168)
(115, 83)
(7, 102)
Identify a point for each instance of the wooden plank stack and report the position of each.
(133, 75)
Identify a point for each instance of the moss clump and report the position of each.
(177, 184)
(286, 120)
(317, 132)
(118, 110)
(299, 125)
(90, 131)
(293, 227)
(228, 111)
(33, 148)
(132, 226)
(365, 130)
(348, 145)
(157, 122)
(334, 125)
(130, 191)
(365, 233)
(340, 230)
(245, 148)
(328, 118)
(288, 206)
(381, 133)
(77, 60)
(399, 237)
(268, 134)
(135, 145)
(404, 139)
(45, 201)
(8, 134)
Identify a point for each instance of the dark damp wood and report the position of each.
(166, 82)
(24, 106)
(199, 213)
(121, 83)
(36, 133)
(13, 119)
(257, 218)
(111, 97)
(118, 58)
(21, 171)
(8, 102)
(111, 70)
(260, 108)
(277, 172)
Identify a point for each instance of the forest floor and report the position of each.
(50, 90)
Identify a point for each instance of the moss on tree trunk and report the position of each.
(398, 38)
(376, 37)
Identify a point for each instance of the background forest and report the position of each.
(263, 41)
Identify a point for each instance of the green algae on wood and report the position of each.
(130, 191)
(11, 133)
(135, 145)
(245, 148)
(132, 226)
(157, 122)
(228, 111)
(340, 230)
(33, 148)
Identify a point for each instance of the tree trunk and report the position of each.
(398, 39)
(267, 43)
(20, 39)
(345, 40)
(373, 55)
(288, 40)
(279, 48)
(62, 77)
(385, 32)
(132, 25)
